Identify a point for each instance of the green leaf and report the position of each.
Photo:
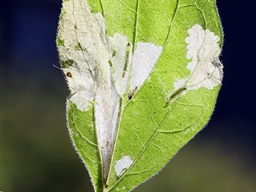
(144, 77)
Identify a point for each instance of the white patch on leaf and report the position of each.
(100, 69)
(122, 165)
(85, 42)
(206, 69)
(145, 57)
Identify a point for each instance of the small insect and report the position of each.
(128, 47)
(216, 62)
(69, 74)
(176, 93)
(131, 93)
(218, 66)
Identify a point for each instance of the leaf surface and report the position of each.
(144, 76)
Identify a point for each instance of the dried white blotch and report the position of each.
(145, 57)
(85, 47)
(206, 69)
(122, 165)
(100, 69)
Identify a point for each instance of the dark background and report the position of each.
(35, 150)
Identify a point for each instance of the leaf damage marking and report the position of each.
(206, 69)
(122, 165)
(100, 69)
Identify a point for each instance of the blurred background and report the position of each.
(35, 149)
